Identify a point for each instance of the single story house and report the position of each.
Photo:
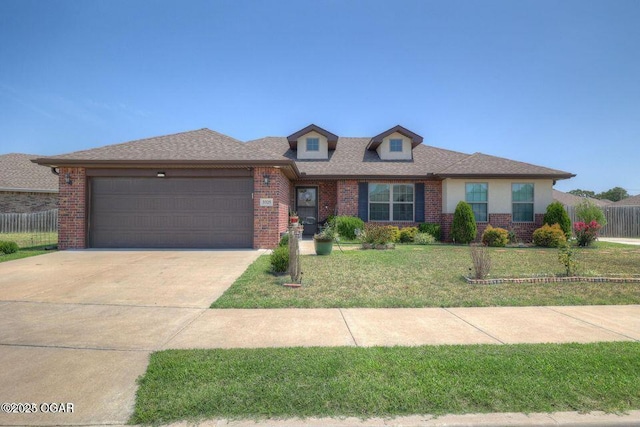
(26, 187)
(568, 199)
(203, 189)
(629, 201)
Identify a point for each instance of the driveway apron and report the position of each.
(77, 327)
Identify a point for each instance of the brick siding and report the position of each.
(24, 202)
(523, 230)
(270, 221)
(327, 197)
(72, 217)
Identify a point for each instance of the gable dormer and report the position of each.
(396, 143)
(312, 143)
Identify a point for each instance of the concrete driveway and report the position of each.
(78, 326)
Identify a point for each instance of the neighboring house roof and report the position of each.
(629, 201)
(350, 158)
(572, 200)
(18, 173)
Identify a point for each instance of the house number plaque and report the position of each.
(266, 202)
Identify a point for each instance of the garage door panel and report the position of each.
(171, 213)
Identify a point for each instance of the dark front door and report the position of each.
(307, 208)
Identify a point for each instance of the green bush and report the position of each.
(280, 259)
(407, 234)
(549, 236)
(433, 229)
(8, 247)
(284, 240)
(464, 228)
(395, 233)
(556, 214)
(424, 239)
(495, 237)
(587, 211)
(378, 234)
(346, 226)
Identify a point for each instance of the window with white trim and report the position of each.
(522, 202)
(313, 144)
(391, 202)
(395, 145)
(477, 195)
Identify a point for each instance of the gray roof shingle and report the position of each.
(17, 172)
(572, 200)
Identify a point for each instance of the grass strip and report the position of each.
(432, 276)
(385, 381)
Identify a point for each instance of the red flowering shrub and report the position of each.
(586, 233)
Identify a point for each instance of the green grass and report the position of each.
(432, 276)
(27, 240)
(379, 381)
(25, 253)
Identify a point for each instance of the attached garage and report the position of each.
(171, 210)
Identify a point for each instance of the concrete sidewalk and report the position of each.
(244, 328)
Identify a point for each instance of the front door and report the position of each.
(307, 209)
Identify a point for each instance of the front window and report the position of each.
(395, 146)
(476, 194)
(522, 202)
(313, 144)
(391, 202)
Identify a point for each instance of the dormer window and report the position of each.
(313, 144)
(395, 145)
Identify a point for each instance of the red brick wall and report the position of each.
(72, 217)
(524, 230)
(347, 193)
(269, 222)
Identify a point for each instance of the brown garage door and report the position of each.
(171, 213)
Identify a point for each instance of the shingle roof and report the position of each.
(572, 200)
(18, 173)
(629, 201)
(203, 145)
(483, 164)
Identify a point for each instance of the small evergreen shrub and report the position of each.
(433, 229)
(407, 234)
(587, 211)
(280, 259)
(556, 214)
(424, 239)
(549, 236)
(284, 240)
(346, 226)
(464, 228)
(377, 234)
(8, 247)
(495, 237)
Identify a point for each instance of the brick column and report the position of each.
(270, 221)
(72, 214)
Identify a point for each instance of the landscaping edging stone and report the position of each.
(553, 280)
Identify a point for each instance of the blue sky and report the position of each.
(554, 83)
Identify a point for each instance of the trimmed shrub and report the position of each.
(423, 239)
(280, 259)
(8, 247)
(549, 236)
(395, 233)
(556, 214)
(495, 237)
(347, 225)
(377, 234)
(407, 234)
(587, 211)
(433, 229)
(284, 240)
(464, 228)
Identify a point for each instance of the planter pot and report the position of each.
(293, 220)
(323, 247)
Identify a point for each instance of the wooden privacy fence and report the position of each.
(622, 221)
(45, 221)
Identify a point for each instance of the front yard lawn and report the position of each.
(379, 381)
(24, 253)
(431, 276)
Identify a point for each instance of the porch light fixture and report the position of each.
(67, 178)
(161, 175)
(266, 179)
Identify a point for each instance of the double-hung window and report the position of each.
(391, 202)
(395, 145)
(476, 194)
(313, 144)
(522, 202)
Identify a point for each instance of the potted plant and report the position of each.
(293, 217)
(323, 241)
